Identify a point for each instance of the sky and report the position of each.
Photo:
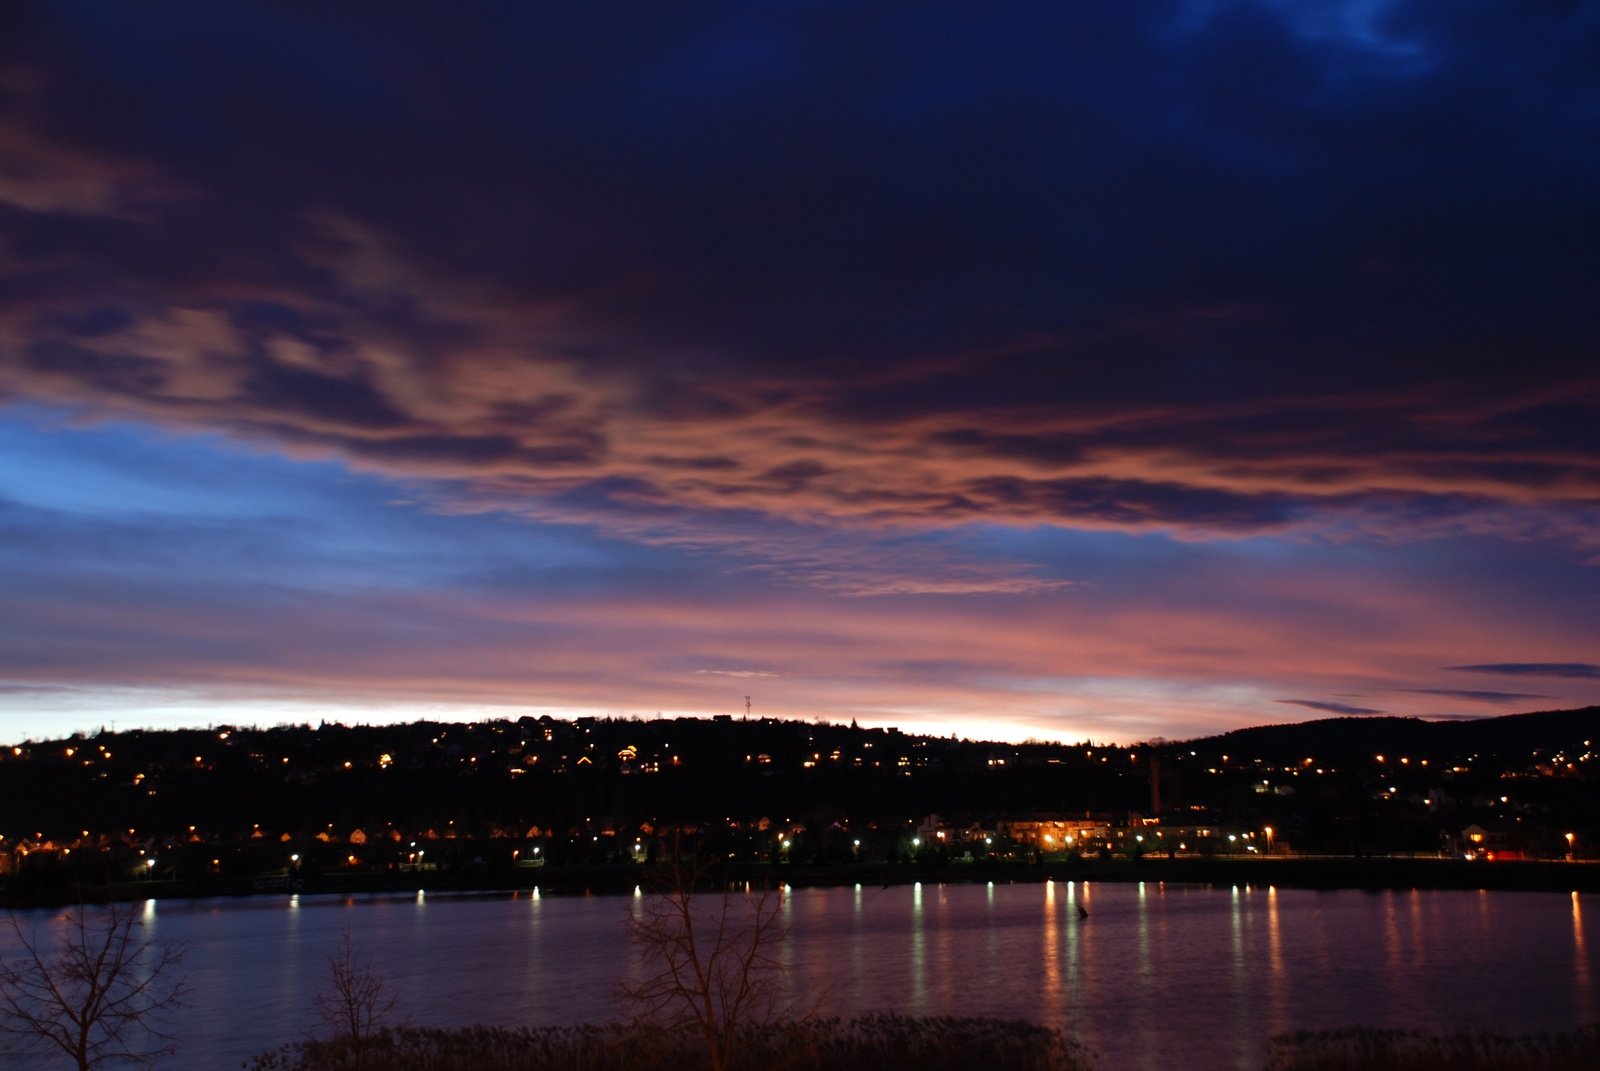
(1073, 370)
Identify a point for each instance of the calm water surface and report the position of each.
(1157, 976)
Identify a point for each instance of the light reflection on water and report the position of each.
(1155, 976)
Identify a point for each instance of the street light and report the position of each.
(1268, 832)
(1569, 846)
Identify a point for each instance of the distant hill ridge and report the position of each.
(1344, 735)
(1544, 730)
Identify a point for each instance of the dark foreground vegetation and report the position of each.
(882, 1042)
(1360, 1049)
(869, 1043)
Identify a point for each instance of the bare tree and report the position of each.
(97, 992)
(357, 1003)
(714, 972)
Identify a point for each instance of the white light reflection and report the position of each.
(919, 952)
(858, 944)
(1236, 904)
(1052, 947)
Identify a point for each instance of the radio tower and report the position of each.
(746, 708)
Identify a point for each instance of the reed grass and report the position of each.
(885, 1042)
(1365, 1049)
(867, 1043)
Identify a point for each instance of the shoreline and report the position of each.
(1297, 872)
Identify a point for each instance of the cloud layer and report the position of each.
(837, 302)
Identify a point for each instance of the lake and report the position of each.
(1156, 976)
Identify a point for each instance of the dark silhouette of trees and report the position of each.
(357, 1003)
(95, 991)
(710, 956)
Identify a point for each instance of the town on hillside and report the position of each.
(234, 809)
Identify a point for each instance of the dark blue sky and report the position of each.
(1090, 369)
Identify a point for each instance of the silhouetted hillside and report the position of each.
(228, 806)
(1334, 739)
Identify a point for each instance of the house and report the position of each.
(1491, 843)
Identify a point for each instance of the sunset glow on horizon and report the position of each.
(1099, 373)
